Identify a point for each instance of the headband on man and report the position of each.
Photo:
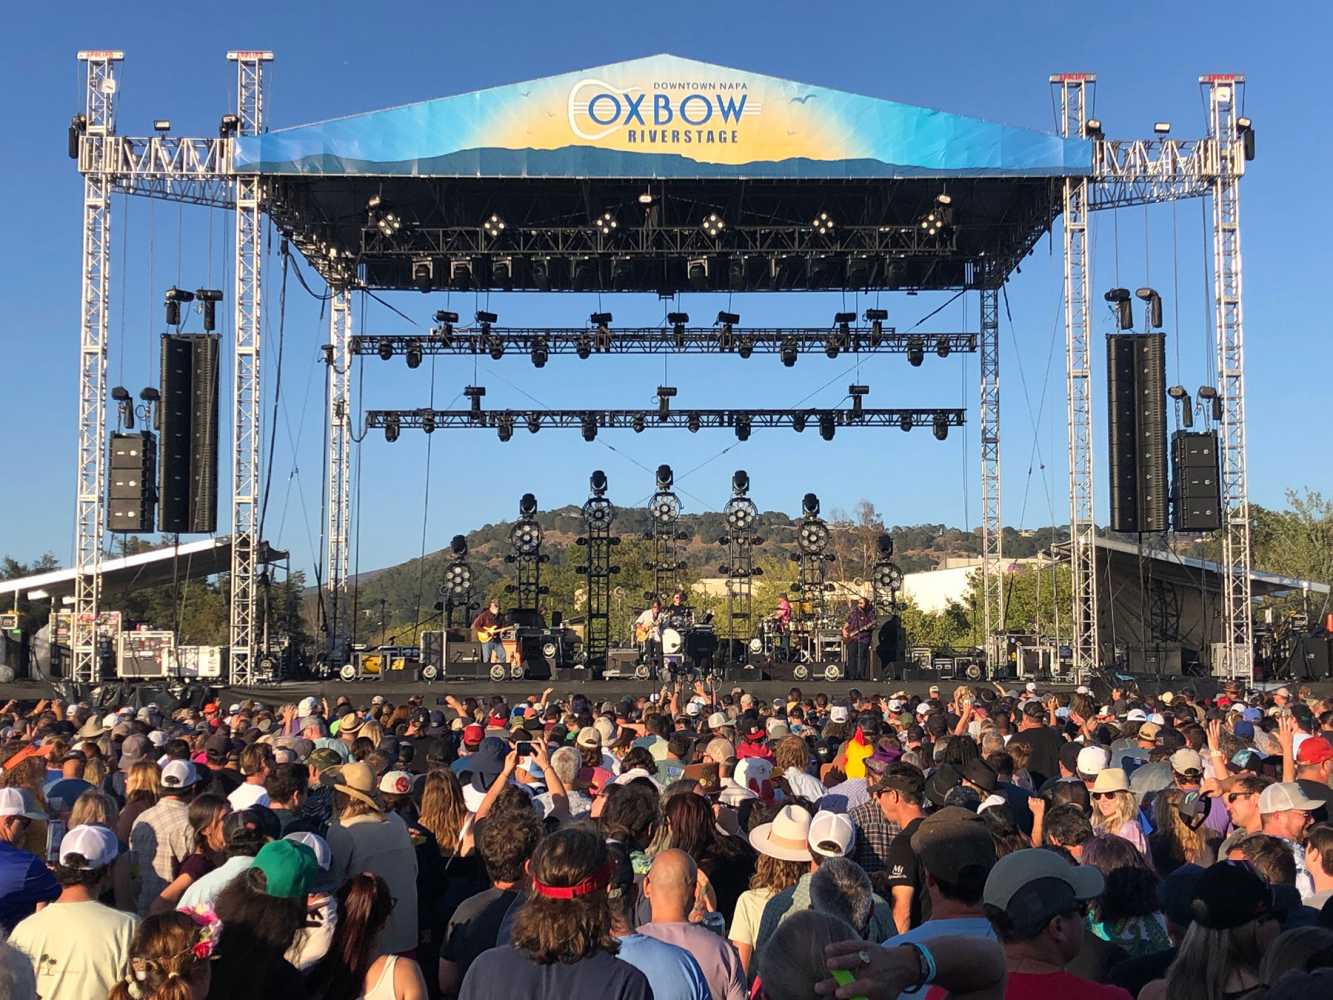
(597, 880)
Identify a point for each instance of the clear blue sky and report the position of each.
(988, 60)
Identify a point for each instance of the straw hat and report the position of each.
(786, 838)
(358, 781)
(1111, 779)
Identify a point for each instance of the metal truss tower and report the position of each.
(742, 518)
(664, 508)
(247, 386)
(1224, 94)
(812, 558)
(338, 462)
(992, 545)
(1074, 93)
(598, 515)
(98, 127)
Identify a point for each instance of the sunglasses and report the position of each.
(1103, 795)
(1233, 796)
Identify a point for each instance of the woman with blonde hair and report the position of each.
(170, 958)
(784, 856)
(371, 730)
(143, 785)
(1115, 810)
(1179, 836)
(95, 808)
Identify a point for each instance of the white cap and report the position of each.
(990, 801)
(1031, 686)
(1136, 715)
(179, 774)
(1283, 691)
(157, 737)
(1083, 689)
(377, 700)
(234, 709)
(95, 844)
(923, 708)
(896, 704)
(306, 707)
(323, 856)
(396, 783)
(717, 720)
(831, 834)
(109, 720)
(14, 803)
(837, 713)
(692, 709)
(752, 769)
(1092, 760)
(1157, 719)
(1284, 796)
(1185, 759)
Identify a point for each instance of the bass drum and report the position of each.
(672, 642)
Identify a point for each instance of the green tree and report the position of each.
(31, 616)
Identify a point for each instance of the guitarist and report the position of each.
(486, 627)
(648, 630)
(856, 637)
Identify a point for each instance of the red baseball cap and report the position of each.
(1314, 750)
(473, 734)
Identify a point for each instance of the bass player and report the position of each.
(856, 637)
(486, 626)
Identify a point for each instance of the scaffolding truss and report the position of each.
(338, 463)
(992, 527)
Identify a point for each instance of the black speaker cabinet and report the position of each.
(462, 661)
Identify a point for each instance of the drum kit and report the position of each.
(687, 646)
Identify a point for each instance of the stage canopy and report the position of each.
(662, 116)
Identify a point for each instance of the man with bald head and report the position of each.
(669, 889)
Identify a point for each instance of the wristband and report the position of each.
(927, 967)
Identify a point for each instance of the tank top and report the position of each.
(383, 988)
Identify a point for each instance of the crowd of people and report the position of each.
(690, 844)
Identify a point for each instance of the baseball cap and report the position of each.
(473, 734)
(831, 834)
(318, 846)
(837, 713)
(941, 780)
(1136, 715)
(14, 803)
(1149, 731)
(719, 749)
(95, 846)
(692, 709)
(1283, 796)
(1185, 760)
(717, 720)
(179, 774)
(1092, 760)
(1033, 885)
(951, 841)
(1315, 750)
(589, 738)
(307, 706)
(1230, 894)
(257, 819)
(289, 868)
(396, 783)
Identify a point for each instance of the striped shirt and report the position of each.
(160, 840)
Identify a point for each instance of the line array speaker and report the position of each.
(1136, 422)
(1196, 493)
(132, 483)
(189, 413)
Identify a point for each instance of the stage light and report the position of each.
(502, 273)
(678, 320)
(813, 537)
(161, 124)
(810, 505)
(1181, 395)
(941, 427)
(485, 319)
(646, 198)
(1245, 129)
(692, 423)
(942, 347)
(728, 319)
(172, 299)
(504, 427)
(1124, 308)
(540, 353)
(589, 425)
(740, 482)
(1092, 128)
(745, 346)
(534, 422)
(606, 223)
(602, 322)
(497, 348)
(228, 126)
(427, 421)
(832, 344)
(876, 318)
(664, 477)
(1161, 128)
(884, 543)
(1209, 393)
(916, 352)
(493, 226)
(423, 273)
(583, 347)
(713, 225)
(788, 352)
(587, 274)
(527, 505)
(665, 393)
(823, 224)
(210, 297)
(386, 349)
(391, 429)
(446, 320)
(474, 394)
(458, 546)
(827, 426)
(638, 423)
(905, 422)
(1150, 296)
(460, 274)
(798, 422)
(414, 355)
(742, 427)
(697, 273)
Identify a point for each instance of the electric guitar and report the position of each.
(848, 634)
(492, 632)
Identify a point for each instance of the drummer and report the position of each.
(782, 615)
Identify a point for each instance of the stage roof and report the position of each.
(662, 116)
(190, 561)
(1187, 571)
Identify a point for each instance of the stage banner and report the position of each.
(661, 116)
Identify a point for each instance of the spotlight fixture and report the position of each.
(446, 320)
(934, 221)
(1245, 129)
(742, 427)
(494, 226)
(823, 224)
(1181, 395)
(1150, 296)
(745, 346)
(740, 482)
(458, 546)
(534, 422)
(810, 505)
(502, 272)
(798, 421)
(210, 297)
(589, 426)
(228, 126)
(1161, 128)
(460, 274)
(527, 505)
(540, 352)
(713, 225)
(1209, 393)
(474, 395)
(646, 198)
(173, 299)
(386, 349)
(1124, 308)
(843, 321)
(638, 423)
(696, 270)
(1092, 128)
(497, 349)
(941, 427)
(692, 423)
(485, 319)
(583, 347)
(678, 320)
(944, 198)
(601, 321)
(427, 421)
(423, 273)
(162, 125)
(606, 223)
(664, 477)
(827, 426)
(942, 347)
(916, 351)
(665, 393)
(905, 422)
(504, 427)
(728, 319)
(858, 394)
(884, 543)
(788, 352)
(391, 429)
(413, 354)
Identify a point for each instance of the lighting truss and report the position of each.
(643, 419)
(657, 340)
